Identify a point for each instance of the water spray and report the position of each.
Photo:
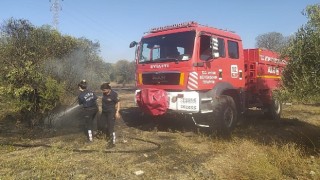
(67, 111)
(50, 119)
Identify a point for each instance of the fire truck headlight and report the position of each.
(180, 96)
(174, 99)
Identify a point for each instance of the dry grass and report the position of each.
(245, 159)
(258, 149)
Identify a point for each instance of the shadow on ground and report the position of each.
(254, 126)
(63, 122)
(287, 130)
(133, 117)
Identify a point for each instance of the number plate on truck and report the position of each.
(184, 101)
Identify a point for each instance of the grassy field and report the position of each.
(169, 148)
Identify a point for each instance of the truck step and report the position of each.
(199, 125)
(206, 111)
(206, 99)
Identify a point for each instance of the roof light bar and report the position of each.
(174, 26)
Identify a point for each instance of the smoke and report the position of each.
(72, 69)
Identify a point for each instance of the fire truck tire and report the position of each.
(274, 110)
(226, 114)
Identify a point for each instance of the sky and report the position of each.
(116, 23)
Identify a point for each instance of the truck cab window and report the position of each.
(233, 49)
(206, 50)
(171, 52)
(222, 50)
(167, 48)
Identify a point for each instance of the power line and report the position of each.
(55, 9)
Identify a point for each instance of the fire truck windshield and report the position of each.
(170, 47)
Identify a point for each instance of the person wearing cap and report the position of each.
(110, 111)
(88, 100)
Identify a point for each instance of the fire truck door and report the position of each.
(221, 61)
(208, 53)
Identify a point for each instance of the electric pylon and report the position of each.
(55, 9)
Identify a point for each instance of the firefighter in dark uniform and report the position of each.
(110, 111)
(88, 100)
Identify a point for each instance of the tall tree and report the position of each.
(273, 41)
(124, 71)
(301, 77)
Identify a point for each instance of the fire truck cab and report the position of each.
(204, 72)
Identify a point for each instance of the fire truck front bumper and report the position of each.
(184, 101)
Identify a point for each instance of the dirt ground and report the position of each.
(164, 148)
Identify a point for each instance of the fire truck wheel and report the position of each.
(226, 114)
(274, 110)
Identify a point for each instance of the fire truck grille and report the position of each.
(170, 78)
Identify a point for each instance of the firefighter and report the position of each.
(88, 100)
(110, 111)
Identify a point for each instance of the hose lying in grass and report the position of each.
(158, 146)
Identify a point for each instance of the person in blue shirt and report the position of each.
(88, 100)
(110, 111)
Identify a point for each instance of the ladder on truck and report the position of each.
(250, 61)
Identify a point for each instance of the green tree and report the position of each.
(40, 67)
(24, 50)
(301, 77)
(124, 72)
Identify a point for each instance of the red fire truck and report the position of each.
(204, 72)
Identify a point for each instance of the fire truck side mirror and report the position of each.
(214, 47)
(133, 44)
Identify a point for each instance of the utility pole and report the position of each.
(55, 9)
